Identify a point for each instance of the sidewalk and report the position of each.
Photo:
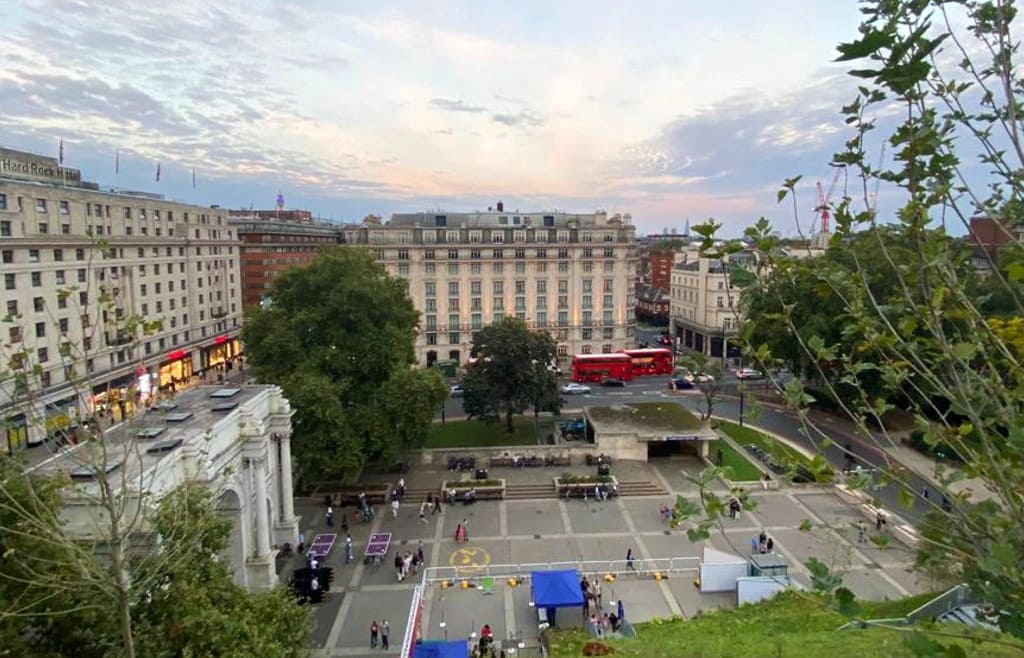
(925, 467)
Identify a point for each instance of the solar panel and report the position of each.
(225, 392)
(89, 472)
(224, 406)
(149, 433)
(178, 416)
(165, 446)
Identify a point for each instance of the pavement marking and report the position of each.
(502, 521)
(670, 599)
(469, 560)
(346, 602)
(510, 611)
(565, 517)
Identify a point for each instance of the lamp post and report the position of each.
(743, 391)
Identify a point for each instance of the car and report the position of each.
(704, 378)
(457, 391)
(680, 383)
(613, 381)
(749, 373)
(572, 388)
(665, 340)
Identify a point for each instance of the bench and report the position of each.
(577, 491)
(481, 494)
(558, 461)
(348, 497)
(501, 461)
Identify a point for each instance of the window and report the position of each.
(37, 279)
(607, 333)
(43, 355)
(79, 254)
(606, 349)
(81, 275)
(64, 209)
(128, 214)
(9, 281)
(498, 268)
(609, 252)
(403, 254)
(606, 317)
(563, 285)
(520, 253)
(520, 303)
(498, 254)
(563, 319)
(430, 288)
(8, 256)
(431, 339)
(453, 269)
(12, 308)
(62, 325)
(33, 255)
(453, 254)
(428, 268)
(563, 301)
(431, 321)
(498, 287)
(453, 289)
(474, 287)
(453, 304)
(477, 320)
(40, 330)
(403, 269)
(542, 268)
(542, 302)
(60, 277)
(499, 303)
(3, 202)
(475, 304)
(58, 255)
(40, 205)
(587, 285)
(586, 348)
(5, 229)
(587, 318)
(474, 253)
(428, 254)
(474, 268)
(431, 306)
(454, 338)
(587, 301)
(606, 302)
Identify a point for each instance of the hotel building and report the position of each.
(569, 274)
(79, 264)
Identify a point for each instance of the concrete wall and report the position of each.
(578, 454)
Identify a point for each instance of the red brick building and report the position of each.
(988, 234)
(270, 246)
(661, 262)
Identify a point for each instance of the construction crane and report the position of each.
(823, 209)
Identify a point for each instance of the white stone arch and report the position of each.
(230, 506)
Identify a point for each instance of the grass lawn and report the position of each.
(649, 415)
(478, 434)
(745, 436)
(789, 625)
(742, 469)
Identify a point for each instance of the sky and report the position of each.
(670, 111)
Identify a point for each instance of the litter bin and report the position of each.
(604, 469)
(481, 474)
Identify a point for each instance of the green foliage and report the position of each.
(698, 363)
(338, 338)
(511, 373)
(478, 433)
(789, 625)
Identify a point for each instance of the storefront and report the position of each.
(176, 370)
(61, 415)
(224, 350)
(118, 394)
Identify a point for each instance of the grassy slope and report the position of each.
(742, 469)
(475, 433)
(746, 435)
(790, 625)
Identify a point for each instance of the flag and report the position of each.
(117, 161)
(280, 201)
(60, 157)
(193, 179)
(158, 172)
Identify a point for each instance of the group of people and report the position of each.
(462, 531)
(381, 630)
(410, 562)
(762, 544)
(601, 625)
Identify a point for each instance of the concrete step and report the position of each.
(547, 490)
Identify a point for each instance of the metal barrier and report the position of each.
(949, 600)
(412, 628)
(585, 567)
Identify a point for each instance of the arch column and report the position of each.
(259, 473)
(260, 570)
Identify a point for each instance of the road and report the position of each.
(771, 418)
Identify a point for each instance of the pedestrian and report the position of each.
(344, 522)
(394, 507)
(374, 630)
(330, 516)
(924, 492)
(437, 504)
(419, 552)
(629, 560)
(753, 546)
(459, 534)
(762, 542)
(465, 529)
(879, 520)
(770, 545)
(423, 512)
(401, 488)
(430, 503)
(398, 566)
(348, 549)
(946, 506)
(385, 635)
(595, 589)
(765, 480)
(406, 565)
(862, 532)
(301, 542)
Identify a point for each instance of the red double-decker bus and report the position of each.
(596, 367)
(653, 361)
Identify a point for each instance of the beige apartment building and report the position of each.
(703, 307)
(77, 261)
(569, 274)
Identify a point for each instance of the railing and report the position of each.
(585, 567)
(940, 605)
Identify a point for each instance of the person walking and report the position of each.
(424, 506)
(862, 532)
(374, 630)
(385, 635)
(595, 591)
(629, 560)
(330, 516)
(344, 522)
(348, 549)
(398, 566)
(394, 507)
(401, 488)
(301, 543)
(437, 504)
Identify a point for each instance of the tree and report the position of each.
(338, 338)
(511, 372)
(707, 377)
(941, 79)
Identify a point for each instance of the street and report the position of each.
(770, 418)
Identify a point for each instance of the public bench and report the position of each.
(350, 496)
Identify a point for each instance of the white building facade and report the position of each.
(569, 274)
(78, 264)
(704, 310)
(235, 441)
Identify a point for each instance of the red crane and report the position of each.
(823, 208)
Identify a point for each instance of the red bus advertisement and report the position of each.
(595, 367)
(653, 361)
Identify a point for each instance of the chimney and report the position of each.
(501, 207)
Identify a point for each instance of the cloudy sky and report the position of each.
(664, 109)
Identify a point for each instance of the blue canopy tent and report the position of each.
(555, 589)
(441, 649)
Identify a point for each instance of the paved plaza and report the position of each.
(545, 531)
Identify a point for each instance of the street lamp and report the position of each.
(743, 390)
